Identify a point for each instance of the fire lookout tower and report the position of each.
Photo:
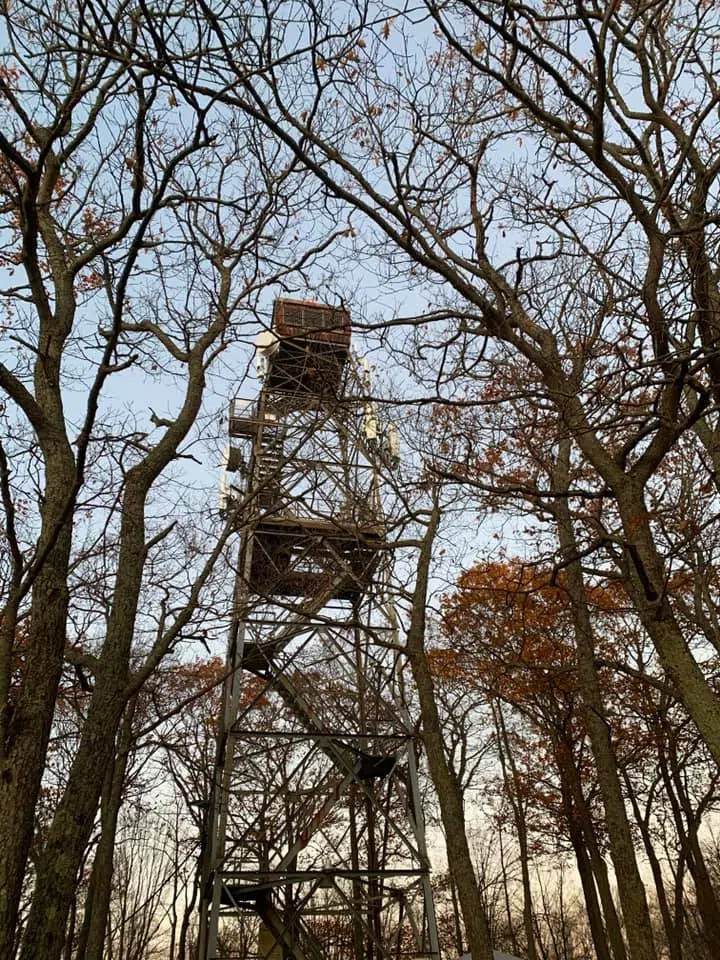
(314, 842)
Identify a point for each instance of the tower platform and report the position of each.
(301, 557)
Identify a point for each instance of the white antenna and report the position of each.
(266, 344)
(392, 444)
(370, 424)
(367, 370)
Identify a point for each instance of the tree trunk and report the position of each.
(671, 932)
(506, 894)
(27, 725)
(686, 827)
(97, 904)
(70, 831)
(188, 913)
(444, 778)
(630, 886)
(520, 826)
(647, 587)
(597, 863)
(457, 925)
(577, 839)
(646, 576)
(72, 824)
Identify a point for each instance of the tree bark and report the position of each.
(28, 731)
(647, 586)
(448, 789)
(630, 886)
(97, 903)
(74, 817)
(506, 755)
(597, 863)
(25, 725)
(671, 933)
(577, 839)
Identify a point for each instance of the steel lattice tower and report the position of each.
(314, 836)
